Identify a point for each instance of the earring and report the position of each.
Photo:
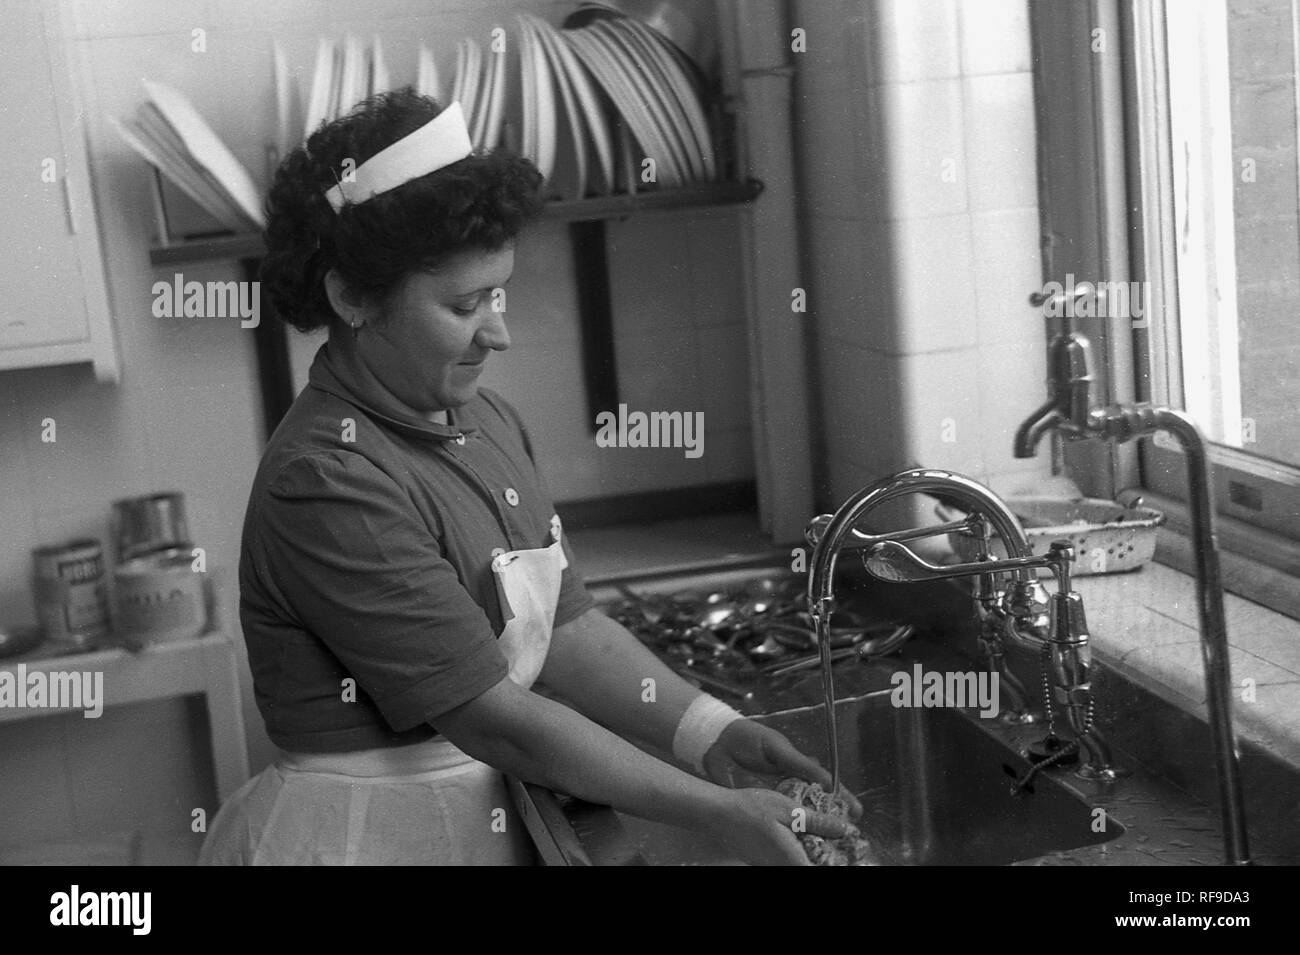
(355, 327)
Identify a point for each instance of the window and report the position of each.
(1216, 170)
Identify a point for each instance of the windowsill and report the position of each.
(1254, 563)
(1145, 624)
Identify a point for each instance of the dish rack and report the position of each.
(1108, 538)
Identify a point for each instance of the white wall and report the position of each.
(917, 139)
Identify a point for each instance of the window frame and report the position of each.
(1257, 499)
(1249, 488)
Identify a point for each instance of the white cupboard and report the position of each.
(53, 296)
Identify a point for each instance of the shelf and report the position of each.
(204, 665)
(245, 245)
(686, 197)
(248, 245)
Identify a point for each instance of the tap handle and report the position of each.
(1060, 556)
(895, 562)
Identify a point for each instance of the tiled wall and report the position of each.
(1262, 64)
(186, 415)
(917, 139)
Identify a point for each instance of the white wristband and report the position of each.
(699, 728)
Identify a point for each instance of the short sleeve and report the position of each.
(362, 571)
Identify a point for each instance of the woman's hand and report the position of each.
(761, 825)
(751, 754)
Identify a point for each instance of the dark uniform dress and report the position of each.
(370, 607)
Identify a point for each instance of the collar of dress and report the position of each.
(337, 371)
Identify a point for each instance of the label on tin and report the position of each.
(71, 599)
(160, 600)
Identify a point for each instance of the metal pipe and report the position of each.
(1122, 423)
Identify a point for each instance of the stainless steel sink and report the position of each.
(936, 783)
(935, 789)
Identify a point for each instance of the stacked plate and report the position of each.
(610, 106)
(345, 73)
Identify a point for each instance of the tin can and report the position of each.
(71, 593)
(149, 524)
(160, 598)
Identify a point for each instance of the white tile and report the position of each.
(1031, 477)
(649, 276)
(541, 299)
(16, 517)
(36, 799)
(208, 455)
(847, 476)
(933, 275)
(941, 418)
(728, 452)
(1002, 164)
(159, 792)
(909, 40)
(844, 474)
(836, 36)
(716, 263)
(864, 403)
(918, 147)
(1011, 386)
(846, 277)
(995, 36)
(829, 139)
(1007, 270)
(619, 471)
(724, 376)
(660, 371)
(97, 448)
(110, 18)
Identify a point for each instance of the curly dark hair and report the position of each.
(482, 201)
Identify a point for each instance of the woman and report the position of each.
(404, 579)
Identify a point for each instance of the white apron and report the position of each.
(424, 804)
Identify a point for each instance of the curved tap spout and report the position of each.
(840, 532)
(1032, 429)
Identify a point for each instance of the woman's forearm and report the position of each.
(606, 672)
(541, 741)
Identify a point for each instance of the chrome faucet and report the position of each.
(1070, 412)
(1018, 610)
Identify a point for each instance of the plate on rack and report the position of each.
(494, 100)
(570, 121)
(680, 85)
(641, 75)
(588, 97)
(527, 100)
(633, 111)
(640, 108)
(546, 109)
(472, 86)
(539, 103)
(426, 76)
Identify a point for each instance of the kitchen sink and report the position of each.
(935, 790)
(937, 784)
